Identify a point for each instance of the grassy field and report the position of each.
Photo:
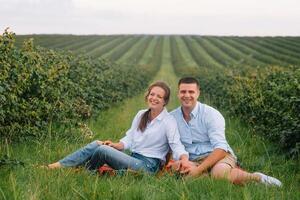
(255, 154)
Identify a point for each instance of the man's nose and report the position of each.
(186, 94)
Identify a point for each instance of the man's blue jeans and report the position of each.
(94, 156)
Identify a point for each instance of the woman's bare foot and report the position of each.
(54, 165)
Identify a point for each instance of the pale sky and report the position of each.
(201, 17)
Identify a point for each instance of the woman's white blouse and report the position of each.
(155, 142)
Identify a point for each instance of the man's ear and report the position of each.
(199, 92)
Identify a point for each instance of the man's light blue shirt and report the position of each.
(155, 142)
(204, 132)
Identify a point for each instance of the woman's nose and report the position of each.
(155, 98)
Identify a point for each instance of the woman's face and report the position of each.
(155, 98)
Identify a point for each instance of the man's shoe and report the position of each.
(268, 180)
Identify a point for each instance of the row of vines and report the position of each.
(255, 78)
(42, 89)
(265, 96)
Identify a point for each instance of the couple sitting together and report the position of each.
(195, 132)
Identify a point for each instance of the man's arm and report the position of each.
(209, 162)
(215, 124)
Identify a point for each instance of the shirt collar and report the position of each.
(195, 111)
(162, 114)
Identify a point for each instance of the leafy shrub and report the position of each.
(41, 87)
(268, 99)
(32, 86)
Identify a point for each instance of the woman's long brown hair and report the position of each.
(146, 116)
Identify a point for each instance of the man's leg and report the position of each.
(227, 169)
(234, 175)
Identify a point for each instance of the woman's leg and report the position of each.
(115, 159)
(78, 157)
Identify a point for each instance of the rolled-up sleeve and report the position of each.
(216, 131)
(174, 139)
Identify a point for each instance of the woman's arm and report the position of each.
(119, 146)
(128, 139)
(173, 136)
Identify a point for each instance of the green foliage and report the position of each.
(40, 87)
(32, 88)
(37, 183)
(199, 54)
(123, 48)
(6, 160)
(214, 52)
(267, 99)
(178, 61)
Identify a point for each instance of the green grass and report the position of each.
(31, 182)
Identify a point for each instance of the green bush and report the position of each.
(32, 85)
(41, 87)
(268, 99)
(272, 105)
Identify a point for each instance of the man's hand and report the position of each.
(192, 171)
(180, 165)
(174, 166)
(207, 163)
(185, 164)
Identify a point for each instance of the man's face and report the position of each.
(188, 94)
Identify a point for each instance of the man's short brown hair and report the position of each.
(189, 80)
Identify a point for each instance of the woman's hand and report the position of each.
(99, 142)
(107, 142)
(181, 165)
(119, 146)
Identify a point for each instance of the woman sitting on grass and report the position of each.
(152, 132)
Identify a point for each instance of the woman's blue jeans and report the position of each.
(93, 156)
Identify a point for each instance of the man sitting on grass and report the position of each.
(202, 132)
